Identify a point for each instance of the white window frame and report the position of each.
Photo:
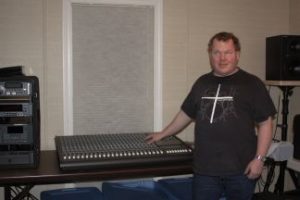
(68, 65)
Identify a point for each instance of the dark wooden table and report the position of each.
(48, 172)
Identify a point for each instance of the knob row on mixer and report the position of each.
(107, 155)
(123, 154)
(176, 151)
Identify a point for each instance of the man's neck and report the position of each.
(224, 75)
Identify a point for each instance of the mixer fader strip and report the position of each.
(119, 149)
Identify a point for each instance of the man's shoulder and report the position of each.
(205, 76)
(249, 75)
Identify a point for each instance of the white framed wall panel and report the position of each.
(112, 66)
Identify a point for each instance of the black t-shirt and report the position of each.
(226, 110)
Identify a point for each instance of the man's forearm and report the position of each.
(264, 137)
(180, 121)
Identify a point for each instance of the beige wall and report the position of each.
(31, 35)
(53, 70)
(294, 17)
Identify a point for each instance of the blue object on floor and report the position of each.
(177, 188)
(81, 193)
(132, 190)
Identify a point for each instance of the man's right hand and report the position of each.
(154, 137)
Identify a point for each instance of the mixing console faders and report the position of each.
(122, 149)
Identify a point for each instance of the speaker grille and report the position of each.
(283, 57)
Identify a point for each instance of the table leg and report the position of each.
(18, 192)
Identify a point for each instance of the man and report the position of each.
(233, 115)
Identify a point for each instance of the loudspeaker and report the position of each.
(283, 57)
(296, 141)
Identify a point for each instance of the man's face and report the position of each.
(223, 57)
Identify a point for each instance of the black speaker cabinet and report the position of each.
(296, 141)
(283, 57)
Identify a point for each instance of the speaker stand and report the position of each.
(287, 90)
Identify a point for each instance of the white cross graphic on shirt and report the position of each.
(216, 99)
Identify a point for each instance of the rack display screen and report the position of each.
(11, 108)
